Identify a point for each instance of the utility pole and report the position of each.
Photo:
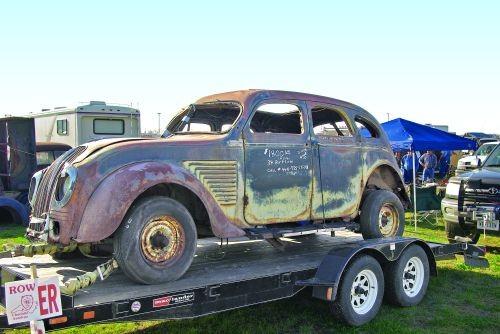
(387, 117)
(159, 127)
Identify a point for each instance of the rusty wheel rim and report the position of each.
(162, 240)
(388, 220)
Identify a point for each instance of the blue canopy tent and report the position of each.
(405, 135)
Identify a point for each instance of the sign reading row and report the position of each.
(32, 299)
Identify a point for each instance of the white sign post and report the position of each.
(32, 300)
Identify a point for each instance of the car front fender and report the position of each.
(113, 197)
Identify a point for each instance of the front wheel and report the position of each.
(382, 215)
(156, 241)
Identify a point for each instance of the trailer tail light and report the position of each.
(329, 293)
(58, 320)
(8, 152)
(88, 315)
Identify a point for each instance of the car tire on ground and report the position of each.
(360, 292)
(382, 215)
(156, 241)
(407, 278)
(454, 229)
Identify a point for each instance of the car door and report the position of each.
(338, 160)
(278, 171)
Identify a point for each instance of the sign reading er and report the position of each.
(32, 299)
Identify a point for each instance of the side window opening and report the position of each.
(277, 118)
(329, 122)
(366, 129)
(62, 127)
(197, 127)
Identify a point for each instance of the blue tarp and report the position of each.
(406, 135)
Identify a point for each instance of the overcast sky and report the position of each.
(430, 61)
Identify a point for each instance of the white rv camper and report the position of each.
(85, 123)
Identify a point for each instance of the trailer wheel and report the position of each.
(360, 292)
(382, 215)
(408, 277)
(156, 241)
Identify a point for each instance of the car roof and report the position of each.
(250, 95)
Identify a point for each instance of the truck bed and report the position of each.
(240, 260)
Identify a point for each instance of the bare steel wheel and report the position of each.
(156, 241)
(388, 220)
(162, 240)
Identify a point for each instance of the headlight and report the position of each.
(452, 189)
(35, 181)
(65, 185)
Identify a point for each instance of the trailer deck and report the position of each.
(239, 260)
(224, 276)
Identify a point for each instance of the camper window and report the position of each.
(109, 126)
(62, 127)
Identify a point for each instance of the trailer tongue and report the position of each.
(244, 273)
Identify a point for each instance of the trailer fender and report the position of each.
(327, 278)
(18, 210)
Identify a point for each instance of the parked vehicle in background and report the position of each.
(472, 161)
(85, 123)
(254, 163)
(17, 165)
(472, 201)
(46, 153)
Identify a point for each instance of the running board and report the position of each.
(280, 232)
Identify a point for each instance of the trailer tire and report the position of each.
(454, 229)
(407, 278)
(156, 241)
(382, 215)
(363, 278)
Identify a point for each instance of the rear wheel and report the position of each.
(455, 230)
(360, 292)
(382, 215)
(408, 277)
(156, 241)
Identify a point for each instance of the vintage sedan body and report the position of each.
(227, 163)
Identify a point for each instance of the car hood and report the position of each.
(487, 175)
(92, 147)
(471, 158)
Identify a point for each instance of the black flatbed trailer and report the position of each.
(222, 277)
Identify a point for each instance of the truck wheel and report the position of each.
(408, 277)
(156, 241)
(382, 215)
(360, 292)
(455, 230)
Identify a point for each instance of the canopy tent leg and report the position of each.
(414, 192)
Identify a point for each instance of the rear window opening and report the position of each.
(206, 118)
(109, 126)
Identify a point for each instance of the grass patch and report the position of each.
(461, 299)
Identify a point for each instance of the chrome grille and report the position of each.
(48, 182)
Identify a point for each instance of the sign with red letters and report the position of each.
(32, 299)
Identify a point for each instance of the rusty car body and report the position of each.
(231, 165)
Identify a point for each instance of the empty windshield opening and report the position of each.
(206, 118)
